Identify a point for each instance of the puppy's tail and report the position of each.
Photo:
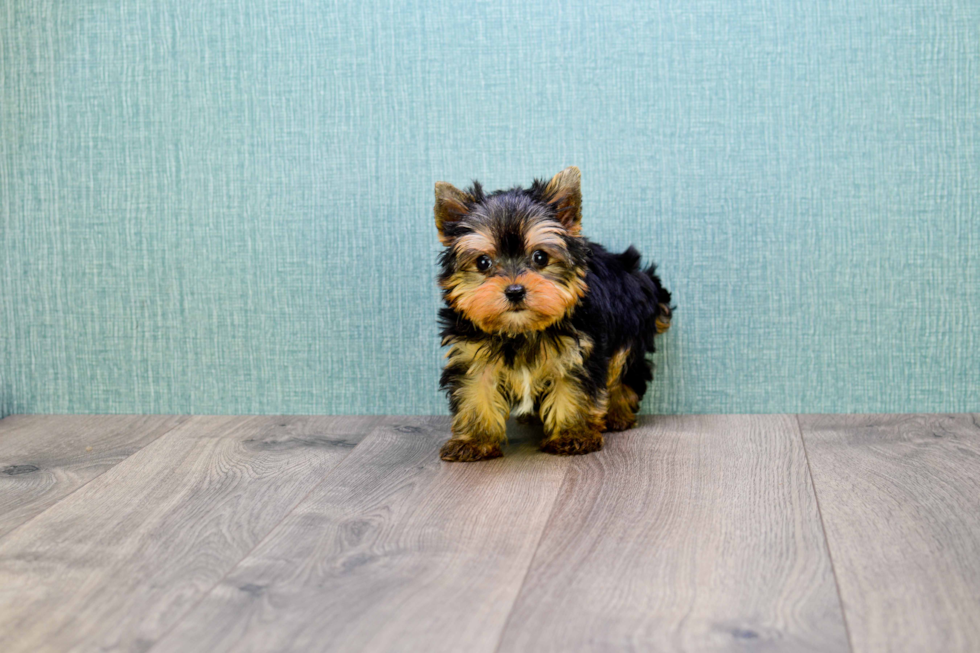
(660, 296)
(661, 317)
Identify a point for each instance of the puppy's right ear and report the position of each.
(565, 192)
(452, 205)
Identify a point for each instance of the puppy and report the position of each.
(539, 320)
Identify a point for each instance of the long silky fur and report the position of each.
(623, 307)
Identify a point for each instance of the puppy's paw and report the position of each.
(620, 421)
(569, 444)
(466, 451)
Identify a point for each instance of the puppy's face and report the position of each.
(514, 261)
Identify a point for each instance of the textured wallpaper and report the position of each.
(225, 206)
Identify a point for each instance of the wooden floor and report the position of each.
(696, 533)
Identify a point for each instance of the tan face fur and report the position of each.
(480, 297)
(509, 237)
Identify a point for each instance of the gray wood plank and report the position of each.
(114, 565)
(900, 498)
(44, 458)
(395, 551)
(696, 533)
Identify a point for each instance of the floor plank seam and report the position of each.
(99, 475)
(823, 529)
(261, 540)
(534, 556)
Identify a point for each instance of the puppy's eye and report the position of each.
(483, 263)
(539, 258)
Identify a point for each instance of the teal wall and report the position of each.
(224, 206)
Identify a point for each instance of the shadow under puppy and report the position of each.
(539, 320)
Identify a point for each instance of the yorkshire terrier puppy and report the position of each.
(539, 320)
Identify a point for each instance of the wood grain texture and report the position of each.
(117, 563)
(900, 498)
(395, 551)
(44, 458)
(696, 533)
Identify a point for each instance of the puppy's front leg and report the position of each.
(479, 417)
(572, 419)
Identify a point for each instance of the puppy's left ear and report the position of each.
(452, 205)
(564, 191)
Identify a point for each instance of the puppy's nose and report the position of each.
(515, 292)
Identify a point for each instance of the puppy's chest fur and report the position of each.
(522, 369)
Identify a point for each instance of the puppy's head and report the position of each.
(514, 260)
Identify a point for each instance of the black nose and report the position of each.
(515, 292)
